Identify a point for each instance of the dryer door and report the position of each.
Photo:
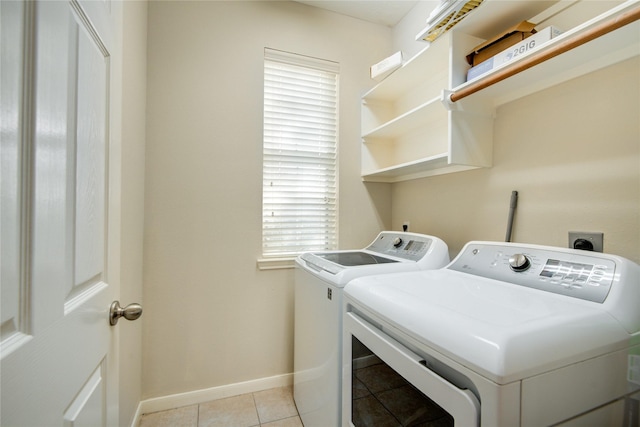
(389, 383)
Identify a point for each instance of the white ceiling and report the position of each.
(385, 12)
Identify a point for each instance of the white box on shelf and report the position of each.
(530, 43)
(385, 67)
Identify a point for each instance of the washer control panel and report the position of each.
(574, 273)
(409, 246)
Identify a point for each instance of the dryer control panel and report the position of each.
(574, 273)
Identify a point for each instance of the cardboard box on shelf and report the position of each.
(514, 51)
(500, 42)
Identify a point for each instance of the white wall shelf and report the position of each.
(613, 47)
(406, 129)
(405, 123)
(410, 129)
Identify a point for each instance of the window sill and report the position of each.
(276, 263)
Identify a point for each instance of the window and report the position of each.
(299, 200)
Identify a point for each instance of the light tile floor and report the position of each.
(268, 408)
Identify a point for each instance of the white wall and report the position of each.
(405, 32)
(211, 318)
(571, 151)
(133, 120)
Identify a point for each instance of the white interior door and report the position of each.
(57, 282)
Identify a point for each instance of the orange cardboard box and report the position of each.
(502, 41)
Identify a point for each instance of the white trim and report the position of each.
(135, 422)
(275, 263)
(199, 396)
(301, 60)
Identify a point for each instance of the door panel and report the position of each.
(11, 165)
(90, 111)
(88, 405)
(57, 368)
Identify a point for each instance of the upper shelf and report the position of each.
(404, 79)
(610, 48)
(493, 16)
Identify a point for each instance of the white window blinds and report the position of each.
(299, 154)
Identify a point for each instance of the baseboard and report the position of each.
(138, 415)
(173, 401)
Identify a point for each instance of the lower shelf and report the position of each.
(430, 166)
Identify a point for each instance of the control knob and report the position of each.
(397, 242)
(519, 262)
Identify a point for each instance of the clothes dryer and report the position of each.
(319, 281)
(506, 335)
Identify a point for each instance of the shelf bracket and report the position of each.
(445, 98)
(480, 108)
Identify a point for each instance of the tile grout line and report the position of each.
(255, 406)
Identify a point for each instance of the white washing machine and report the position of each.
(319, 281)
(506, 335)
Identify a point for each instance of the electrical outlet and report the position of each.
(586, 240)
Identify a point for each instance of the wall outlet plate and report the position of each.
(583, 238)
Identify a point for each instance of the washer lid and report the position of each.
(340, 267)
(353, 258)
(502, 331)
